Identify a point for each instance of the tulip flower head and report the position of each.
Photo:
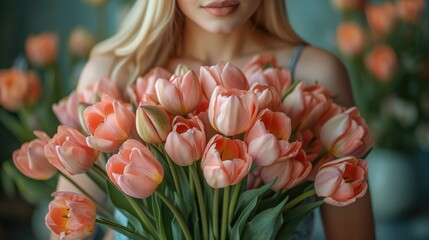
(152, 123)
(42, 49)
(71, 216)
(134, 170)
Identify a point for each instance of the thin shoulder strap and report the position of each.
(294, 60)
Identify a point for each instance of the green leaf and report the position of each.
(246, 197)
(266, 224)
(242, 219)
(120, 229)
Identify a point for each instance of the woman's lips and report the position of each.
(221, 8)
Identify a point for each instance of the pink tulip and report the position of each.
(225, 162)
(110, 123)
(268, 96)
(306, 104)
(342, 181)
(268, 138)
(254, 179)
(333, 110)
(146, 84)
(232, 111)
(71, 216)
(30, 159)
(310, 144)
(135, 170)
(264, 70)
(346, 134)
(223, 74)
(186, 143)
(208, 128)
(152, 123)
(68, 151)
(42, 49)
(94, 91)
(66, 110)
(181, 94)
(288, 172)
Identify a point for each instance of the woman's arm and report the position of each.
(354, 221)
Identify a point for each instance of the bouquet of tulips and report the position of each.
(225, 153)
(385, 45)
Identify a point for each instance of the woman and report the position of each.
(204, 32)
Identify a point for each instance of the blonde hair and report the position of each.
(151, 32)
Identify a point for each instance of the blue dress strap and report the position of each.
(294, 60)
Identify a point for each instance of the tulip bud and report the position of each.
(152, 123)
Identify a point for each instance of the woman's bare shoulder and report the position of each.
(97, 67)
(317, 65)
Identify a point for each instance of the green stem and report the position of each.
(201, 201)
(299, 199)
(100, 171)
(14, 126)
(99, 205)
(119, 228)
(233, 202)
(159, 220)
(142, 216)
(225, 207)
(173, 170)
(216, 214)
(176, 213)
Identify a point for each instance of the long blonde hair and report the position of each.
(151, 33)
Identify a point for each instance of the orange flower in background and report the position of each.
(350, 38)
(81, 42)
(135, 170)
(342, 181)
(346, 134)
(225, 162)
(42, 49)
(224, 74)
(181, 94)
(66, 110)
(306, 104)
(186, 142)
(97, 2)
(348, 5)
(411, 11)
(268, 138)
(382, 62)
(69, 152)
(18, 88)
(152, 123)
(71, 216)
(232, 111)
(381, 18)
(30, 159)
(110, 122)
(288, 172)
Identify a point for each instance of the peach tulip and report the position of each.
(411, 11)
(264, 70)
(71, 216)
(66, 110)
(348, 5)
(186, 142)
(81, 42)
(333, 110)
(254, 179)
(42, 49)
(232, 111)
(223, 74)
(340, 182)
(93, 92)
(18, 88)
(306, 104)
(135, 170)
(382, 18)
(268, 138)
(310, 143)
(30, 159)
(110, 122)
(69, 152)
(268, 96)
(350, 38)
(181, 94)
(146, 84)
(382, 62)
(346, 134)
(225, 162)
(152, 123)
(288, 172)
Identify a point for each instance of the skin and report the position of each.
(208, 40)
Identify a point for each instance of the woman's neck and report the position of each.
(210, 48)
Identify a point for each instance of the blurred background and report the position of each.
(384, 45)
